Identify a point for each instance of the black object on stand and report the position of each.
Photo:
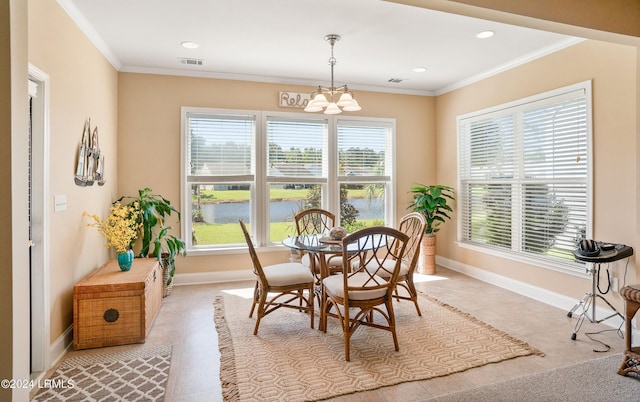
(607, 253)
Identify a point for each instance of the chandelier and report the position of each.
(323, 98)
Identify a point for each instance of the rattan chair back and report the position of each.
(257, 266)
(314, 221)
(288, 284)
(363, 294)
(414, 225)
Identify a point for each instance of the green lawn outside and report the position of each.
(275, 193)
(230, 233)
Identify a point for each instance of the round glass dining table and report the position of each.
(319, 246)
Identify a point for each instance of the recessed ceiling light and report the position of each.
(419, 69)
(485, 34)
(190, 45)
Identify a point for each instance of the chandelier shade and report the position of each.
(324, 97)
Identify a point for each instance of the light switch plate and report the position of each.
(59, 202)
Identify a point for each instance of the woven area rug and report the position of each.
(135, 375)
(289, 361)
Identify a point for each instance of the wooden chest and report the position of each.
(112, 307)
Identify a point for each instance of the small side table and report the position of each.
(631, 363)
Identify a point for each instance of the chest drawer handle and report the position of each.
(111, 315)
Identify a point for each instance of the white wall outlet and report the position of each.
(614, 284)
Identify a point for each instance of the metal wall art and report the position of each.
(90, 166)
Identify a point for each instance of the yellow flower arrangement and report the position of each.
(120, 228)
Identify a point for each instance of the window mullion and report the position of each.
(260, 209)
(517, 215)
(333, 189)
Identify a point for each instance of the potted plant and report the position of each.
(153, 210)
(432, 202)
(120, 229)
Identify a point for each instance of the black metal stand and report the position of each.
(588, 301)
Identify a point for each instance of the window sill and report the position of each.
(235, 249)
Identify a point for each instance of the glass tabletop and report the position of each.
(322, 244)
(313, 243)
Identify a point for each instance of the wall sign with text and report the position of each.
(294, 99)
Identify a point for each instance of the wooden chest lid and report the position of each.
(110, 278)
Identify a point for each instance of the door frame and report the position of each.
(39, 265)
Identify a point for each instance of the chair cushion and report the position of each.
(387, 264)
(288, 273)
(334, 285)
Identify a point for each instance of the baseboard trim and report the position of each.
(213, 277)
(534, 292)
(61, 346)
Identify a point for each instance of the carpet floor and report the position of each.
(592, 381)
(290, 361)
(133, 375)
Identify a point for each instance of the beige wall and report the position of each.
(615, 21)
(613, 71)
(149, 139)
(6, 295)
(83, 84)
(619, 16)
(14, 295)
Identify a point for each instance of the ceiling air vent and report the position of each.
(395, 80)
(190, 62)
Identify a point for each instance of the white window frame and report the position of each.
(259, 206)
(573, 267)
(390, 202)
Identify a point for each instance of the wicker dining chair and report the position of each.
(286, 282)
(314, 221)
(413, 225)
(358, 295)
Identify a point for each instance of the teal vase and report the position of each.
(125, 260)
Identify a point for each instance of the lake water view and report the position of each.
(281, 211)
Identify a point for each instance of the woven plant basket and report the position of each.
(166, 289)
(427, 260)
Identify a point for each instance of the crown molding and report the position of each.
(90, 32)
(512, 64)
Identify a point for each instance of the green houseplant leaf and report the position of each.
(432, 202)
(154, 209)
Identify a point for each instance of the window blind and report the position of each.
(296, 148)
(220, 146)
(524, 182)
(363, 150)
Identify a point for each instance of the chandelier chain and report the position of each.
(320, 101)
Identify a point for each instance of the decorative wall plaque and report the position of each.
(294, 99)
(90, 167)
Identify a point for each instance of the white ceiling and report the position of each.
(283, 41)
